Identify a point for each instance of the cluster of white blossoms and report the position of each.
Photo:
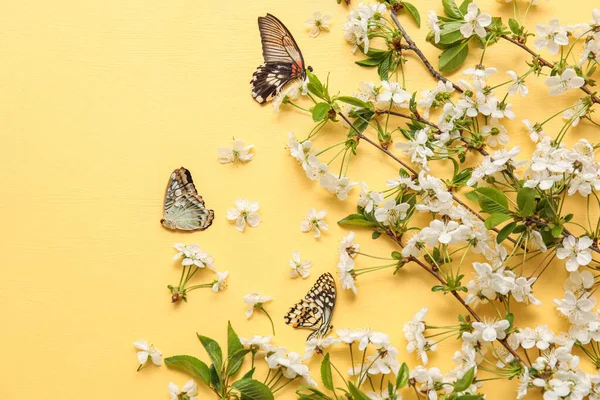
(361, 23)
(554, 165)
(291, 365)
(192, 254)
(307, 157)
(491, 283)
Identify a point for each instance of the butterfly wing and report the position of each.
(184, 208)
(315, 310)
(283, 60)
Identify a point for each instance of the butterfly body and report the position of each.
(184, 208)
(283, 60)
(315, 310)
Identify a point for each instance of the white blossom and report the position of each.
(221, 282)
(417, 148)
(576, 309)
(255, 300)
(318, 23)
(566, 81)
(391, 212)
(413, 332)
(433, 23)
(147, 350)
(314, 222)
(237, 152)
(340, 186)
(317, 345)
(346, 272)
(392, 95)
(348, 247)
(540, 337)
(369, 199)
(475, 21)
(577, 252)
(244, 212)
(299, 267)
(551, 36)
(490, 330)
(189, 391)
(518, 85)
(445, 232)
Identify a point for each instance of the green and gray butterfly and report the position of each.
(184, 208)
(315, 310)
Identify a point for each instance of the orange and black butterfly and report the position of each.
(283, 60)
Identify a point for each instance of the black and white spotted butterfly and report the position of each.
(184, 208)
(283, 60)
(315, 310)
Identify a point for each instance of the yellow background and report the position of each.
(99, 102)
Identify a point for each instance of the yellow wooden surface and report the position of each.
(99, 102)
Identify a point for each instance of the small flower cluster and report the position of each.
(307, 157)
(193, 258)
(362, 23)
(289, 365)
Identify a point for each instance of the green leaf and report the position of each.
(253, 389)
(464, 6)
(368, 62)
(315, 86)
(353, 101)
(374, 53)
(190, 365)
(384, 68)
(504, 232)
(451, 9)
(235, 361)
(496, 219)
(510, 317)
(375, 235)
(355, 220)
(412, 10)
(514, 26)
(249, 374)
(396, 255)
(463, 383)
(356, 394)
(402, 377)
(492, 200)
(450, 33)
(556, 231)
(316, 394)
(233, 350)
(472, 196)
(326, 375)
(319, 111)
(454, 57)
(214, 377)
(526, 201)
(213, 349)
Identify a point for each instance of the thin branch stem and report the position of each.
(413, 47)
(546, 63)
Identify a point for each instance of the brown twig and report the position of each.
(412, 171)
(457, 296)
(437, 75)
(415, 49)
(546, 63)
